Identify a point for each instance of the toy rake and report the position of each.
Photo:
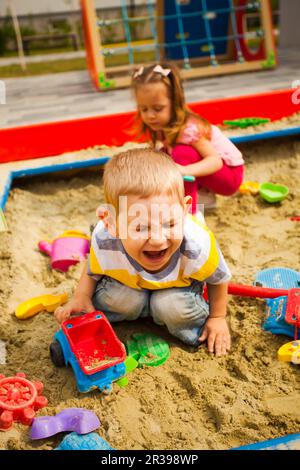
(292, 314)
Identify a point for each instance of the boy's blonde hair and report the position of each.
(143, 173)
(180, 111)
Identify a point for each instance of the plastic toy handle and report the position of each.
(254, 291)
(45, 247)
(73, 233)
(189, 178)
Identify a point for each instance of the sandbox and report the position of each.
(194, 400)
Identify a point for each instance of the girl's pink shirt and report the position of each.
(223, 146)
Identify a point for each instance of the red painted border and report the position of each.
(42, 140)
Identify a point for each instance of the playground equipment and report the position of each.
(204, 38)
(56, 138)
(88, 343)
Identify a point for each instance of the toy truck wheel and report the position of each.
(57, 355)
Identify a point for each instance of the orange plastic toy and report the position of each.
(249, 187)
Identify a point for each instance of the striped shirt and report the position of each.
(198, 258)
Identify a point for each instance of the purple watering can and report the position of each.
(67, 249)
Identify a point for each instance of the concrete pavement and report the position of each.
(71, 95)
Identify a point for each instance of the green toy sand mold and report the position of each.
(271, 192)
(148, 349)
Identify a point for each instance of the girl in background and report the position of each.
(198, 148)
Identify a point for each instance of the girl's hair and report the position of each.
(180, 111)
(141, 172)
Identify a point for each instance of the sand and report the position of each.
(194, 400)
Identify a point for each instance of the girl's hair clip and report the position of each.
(161, 70)
(139, 72)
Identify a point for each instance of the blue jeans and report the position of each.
(181, 309)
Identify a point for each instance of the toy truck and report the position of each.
(89, 344)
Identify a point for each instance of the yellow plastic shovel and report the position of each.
(31, 307)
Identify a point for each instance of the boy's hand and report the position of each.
(78, 304)
(216, 332)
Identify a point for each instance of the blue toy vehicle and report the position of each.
(89, 344)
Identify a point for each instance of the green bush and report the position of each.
(27, 31)
(3, 42)
(61, 26)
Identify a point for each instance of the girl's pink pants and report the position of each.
(225, 181)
